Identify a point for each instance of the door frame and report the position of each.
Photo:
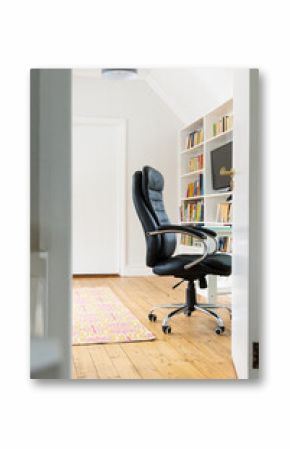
(121, 180)
(247, 226)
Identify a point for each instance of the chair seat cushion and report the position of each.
(218, 264)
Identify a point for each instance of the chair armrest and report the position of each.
(187, 230)
(176, 229)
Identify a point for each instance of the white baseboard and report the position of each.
(224, 286)
(220, 291)
(130, 270)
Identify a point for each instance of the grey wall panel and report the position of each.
(51, 199)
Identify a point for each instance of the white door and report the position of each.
(97, 196)
(246, 225)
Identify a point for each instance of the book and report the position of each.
(224, 244)
(195, 163)
(192, 211)
(195, 188)
(225, 123)
(224, 213)
(194, 138)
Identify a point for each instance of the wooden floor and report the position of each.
(192, 351)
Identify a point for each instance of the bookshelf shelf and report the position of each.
(192, 198)
(219, 136)
(192, 149)
(215, 195)
(217, 224)
(197, 209)
(196, 172)
(191, 222)
(209, 195)
(208, 223)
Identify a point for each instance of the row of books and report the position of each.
(192, 211)
(194, 138)
(195, 188)
(187, 240)
(195, 163)
(224, 124)
(224, 244)
(224, 213)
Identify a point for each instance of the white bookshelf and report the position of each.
(210, 198)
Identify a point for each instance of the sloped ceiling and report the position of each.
(192, 92)
(188, 92)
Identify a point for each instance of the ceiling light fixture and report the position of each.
(119, 74)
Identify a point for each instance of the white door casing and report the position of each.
(246, 212)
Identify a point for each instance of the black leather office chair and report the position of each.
(161, 243)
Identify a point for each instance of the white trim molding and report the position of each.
(131, 270)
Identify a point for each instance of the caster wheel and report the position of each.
(152, 317)
(188, 313)
(166, 329)
(220, 330)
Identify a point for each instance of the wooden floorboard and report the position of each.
(192, 351)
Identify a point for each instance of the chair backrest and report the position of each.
(147, 191)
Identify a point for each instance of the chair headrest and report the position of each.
(152, 179)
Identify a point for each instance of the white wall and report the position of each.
(152, 139)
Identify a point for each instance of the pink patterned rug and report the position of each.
(100, 317)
